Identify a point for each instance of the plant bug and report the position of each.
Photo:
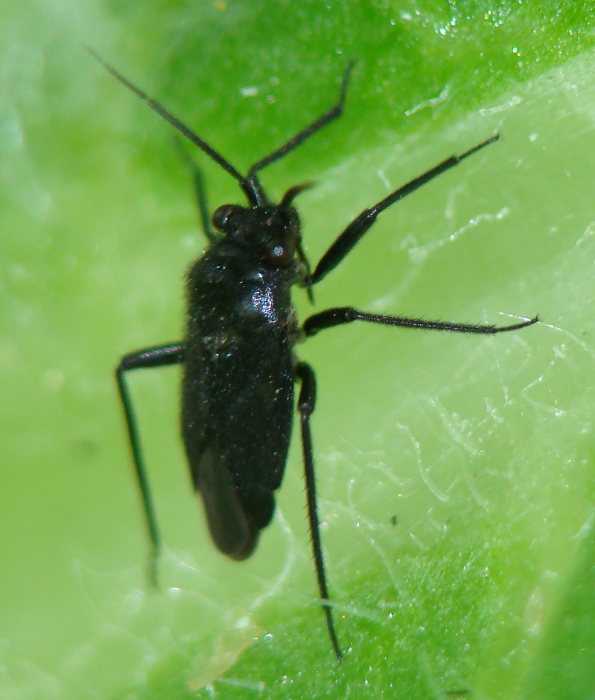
(238, 356)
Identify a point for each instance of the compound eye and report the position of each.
(222, 216)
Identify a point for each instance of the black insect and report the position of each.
(239, 361)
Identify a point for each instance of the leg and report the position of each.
(332, 114)
(152, 357)
(346, 314)
(200, 193)
(306, 402)
(362, 223)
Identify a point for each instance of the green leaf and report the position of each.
(454, 472)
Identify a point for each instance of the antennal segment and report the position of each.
(250, 184)
(333, 113)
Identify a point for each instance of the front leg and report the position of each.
(364, 221)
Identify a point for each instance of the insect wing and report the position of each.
(236, 420)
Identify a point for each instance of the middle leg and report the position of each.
(341, 315)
